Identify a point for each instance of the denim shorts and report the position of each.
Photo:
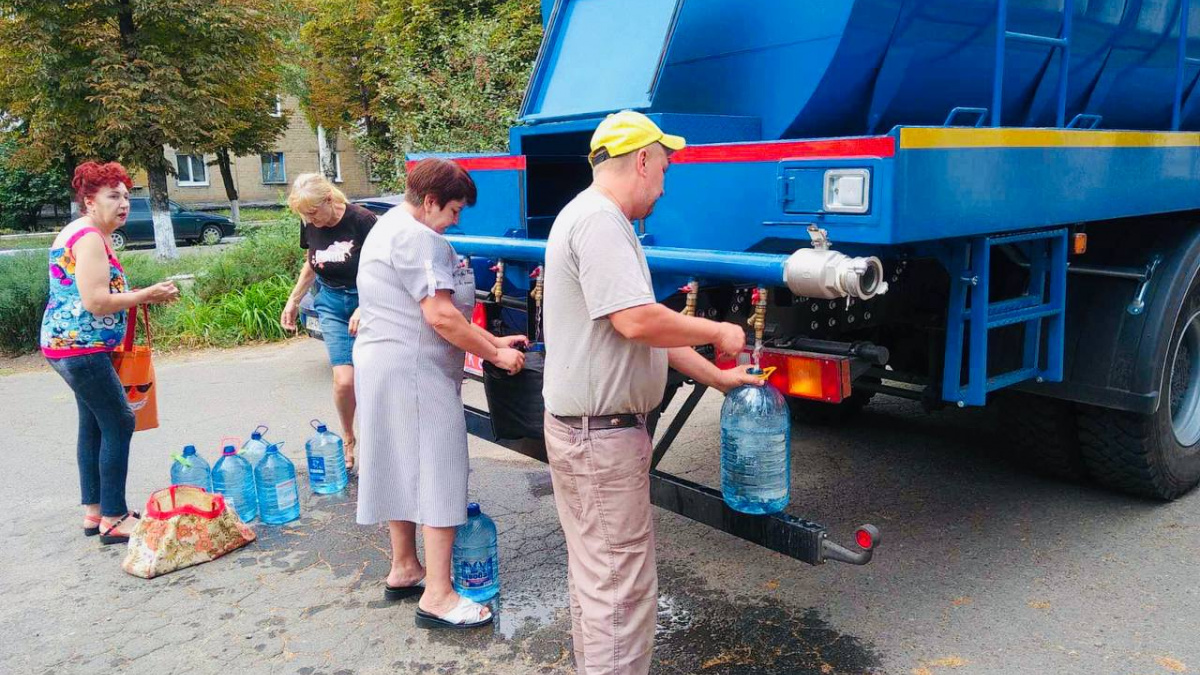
(334, 307)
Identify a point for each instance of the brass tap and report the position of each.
(693, 291)
(539, 286)
(498, 287)
(758, 320)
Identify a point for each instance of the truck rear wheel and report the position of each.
(1155, 455)
(1043, 435)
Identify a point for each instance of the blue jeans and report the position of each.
(334, 307)
(105, 428)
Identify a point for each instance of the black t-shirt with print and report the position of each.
(333, 251)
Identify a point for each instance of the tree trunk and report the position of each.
(326, 147)
(160, 212)
(231, 192)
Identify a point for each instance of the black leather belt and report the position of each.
(598, 422)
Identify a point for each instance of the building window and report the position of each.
(273, 169)
(337, 167)
(278, 111)
(192, 172)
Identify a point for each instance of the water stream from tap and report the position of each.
(757, 354)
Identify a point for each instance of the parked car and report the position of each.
(190, 226)
(380, 205)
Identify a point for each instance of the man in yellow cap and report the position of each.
(608, 345)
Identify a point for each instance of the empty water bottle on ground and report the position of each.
(326, 460)
(476, 561)
(756, 459)
(278, 496)
(255, 448)
(233, 477)
(190, 468)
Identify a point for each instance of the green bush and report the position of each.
(24, 287)
(250, 314)
(269, 251)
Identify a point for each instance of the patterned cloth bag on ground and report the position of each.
(183, 526)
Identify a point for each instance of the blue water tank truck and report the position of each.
(954, 201)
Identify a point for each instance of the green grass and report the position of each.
(256, 214)
(236, 296)
(20, 243)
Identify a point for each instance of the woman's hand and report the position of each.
(354, 318)
(160, 293)
(510, 341)
(287, 318)
(509, 359)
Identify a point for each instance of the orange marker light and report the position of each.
(1079, 243)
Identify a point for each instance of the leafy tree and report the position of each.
(23, 192)
(122, 78)
(453, 72)
(339, 48)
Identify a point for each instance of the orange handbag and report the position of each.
(135, 368)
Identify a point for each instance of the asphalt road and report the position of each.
(983, 569)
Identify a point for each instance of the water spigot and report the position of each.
(692, 288)
(539, 286)
(498, 287)
(758, 320)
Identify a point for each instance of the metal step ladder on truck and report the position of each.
(954, 201)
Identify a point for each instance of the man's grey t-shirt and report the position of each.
(595, 266)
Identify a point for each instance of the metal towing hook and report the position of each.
(867, 538)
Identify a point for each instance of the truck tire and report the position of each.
(1154, 455)
(1042, 435)
(817, 413)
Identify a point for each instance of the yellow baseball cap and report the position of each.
(626, 131)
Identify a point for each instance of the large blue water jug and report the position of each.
(255, 448)
(476, 562)
(278, 496)
(326, 460)
(191, 469)
(233, 477)
(756, 459)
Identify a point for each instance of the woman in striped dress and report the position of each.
(414, 300)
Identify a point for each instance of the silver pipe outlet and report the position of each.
(824, 273)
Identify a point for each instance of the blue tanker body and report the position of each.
(936, 165)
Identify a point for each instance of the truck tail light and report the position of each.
(819, 377)
(479, 316)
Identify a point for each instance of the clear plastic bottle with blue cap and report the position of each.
(326, 460)
(756, 458)
(278, 496)
(190, 468)
(256, 447)
(233, 477)
(475, 560)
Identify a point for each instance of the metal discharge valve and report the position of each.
(820, 272)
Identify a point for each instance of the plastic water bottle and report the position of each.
(233, 477)
(191, 469)
(475, 562)
(326, 460)
(278, 496)
(756, 458)
(255, 448)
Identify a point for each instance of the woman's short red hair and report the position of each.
(91, 177)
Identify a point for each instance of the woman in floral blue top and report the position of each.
(84, 322)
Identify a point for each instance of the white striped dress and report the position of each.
(408, 379)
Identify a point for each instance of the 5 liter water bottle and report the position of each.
(255, 448)
(756, 459)
(326, 460)
(233, 477)
(191, 469)
(475, 562)
(278, 496)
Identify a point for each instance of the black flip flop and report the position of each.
(394, 593)
(107, 537)
(92, 531)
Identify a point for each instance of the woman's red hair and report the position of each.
(91, 177)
